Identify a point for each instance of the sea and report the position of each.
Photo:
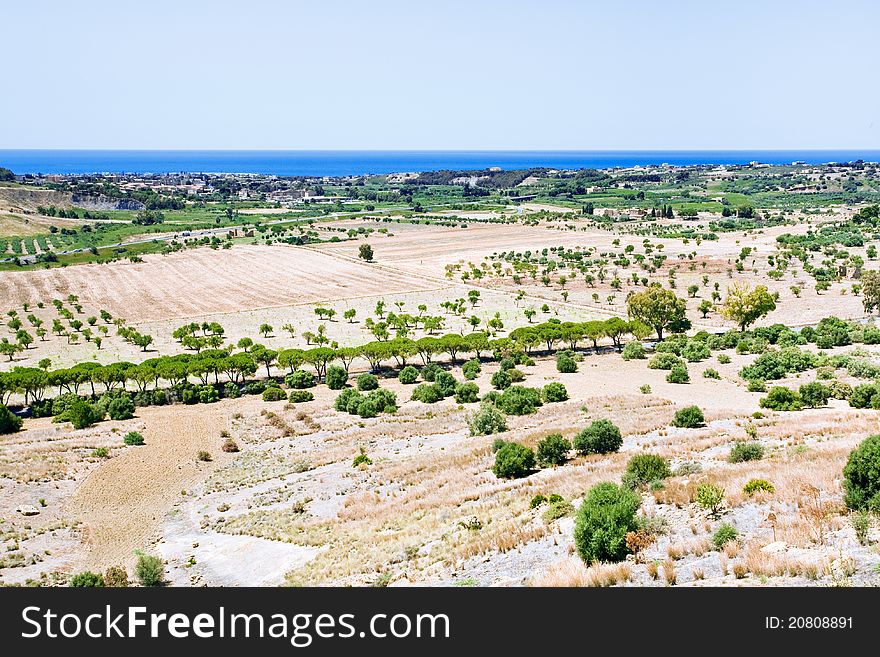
(348, 163)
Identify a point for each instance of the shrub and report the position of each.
(557, 510)
(428, 393)
(204, 456)
(9, 421)
(553, 450)
(120, 408)
(710, 373)
(336, 377)
(606, 515)
(87, 579)
(133, 438)
(645, 468)
(501, 380)
(554, 392)
(231, 390)
(430, 370)
(601, 437)
(566, 364)
(274, 393)
(257, 387)
(645, 389)
(862, 396)
(507, 364)
(361, 459)
(781, 398)
(445, 382)
(519, 400)
(861, 476)
(670, 346)
(300, 396)
(664, 361)
(516, 376)
(723, 535)
(82, 414)
(633, 351)
(471, 369)
(723, 359)
(467, 393)
(814, 394)
(116, 577)
(743, 451)
(678, 374)
(537, 501)
(209, 394)
(710, 497)
(513, 460)
(755, 485)
(229, 446)
(100, 452)
(486, 421)
(695, 350)
(367, 382)
(408, 375)
(385, 400)
(689, 417)
(756, 385)
(300, 379)
(189, 395)
(149, 570)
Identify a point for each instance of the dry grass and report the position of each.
(573, 573)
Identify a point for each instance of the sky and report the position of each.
(482, 74)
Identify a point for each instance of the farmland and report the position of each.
(325, 394)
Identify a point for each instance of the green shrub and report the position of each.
(445, 382)
(606, 515)
(501, 380)
(664, 361)
(100, 452)
(710, 497)
(516, 376)
(861, 476)
(645, 389)
(633, 351)
(116, 577)
(840, 390)
(553, 450)
(507, 364)
(694, 351)
(300, 379)
(518, 400)
(257, 387)
(467, 393)
(208, 394)
(743, 451)
(82, 414)
(781, 398)
(678, 374)
(755, 485)
(513, 460)
(724, 535)
(756, 385)
(471, 369)
(537, 501)
(133, 438)
(643, 469)
(9, 421)
(120, 408)
(336, 377)
(566, 364)
(670, 346)
(862, 396)
(87, 579)
(486, 421)
(554, 392)
(300, 396)
(204, 456)
(385, 400)
(710, 373)
(814, 394)
(408, 375)
(367, 382)
(689, 417)
(601, 437)
(274, 393)
(557, 510)
(149, 570)
(231, 390)
(430, 370)
(361, 459)
(723, 359)
(428, 393)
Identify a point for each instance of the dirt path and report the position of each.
(124, 501)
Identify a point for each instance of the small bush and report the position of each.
(486, 421)
(87, 579)
(501, 380)
(428, 393)
(361, 459)
(566, 364)
(208, 394)
(861, 476)
(120, 408)
(724, 535)
(781, 398)
(445, 382)
(606, 515)
(519, 400)
(204, 456)
(743, 451)
(274, 393)
(633, 351)
(758, 485)
(408, 375)
(300, 379)
(133, 438)
(723, 359)
(710, 373)
(100, 452)
(710, 497)
(257, 387)
(231, 390)
(300, 396)
(554, 392)
(815, 394)
(471, 369)
(82, 414)
(367, 382)
(689, 417)
(467, 393)
(149, 570)
(336, 377)
(664, 361)
(513, 460)
(645, 389)
(229, 446)
(553, 450)
(429, 371)
(643, 469)
(678, 374)
(694, 351)
(557, 510)
(756, 385)
(601, 437)
(863, 396)
(9, 421)
(537, 501)
(116, 577)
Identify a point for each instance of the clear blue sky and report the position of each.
(334, 74)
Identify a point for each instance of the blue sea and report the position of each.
(342, 163)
